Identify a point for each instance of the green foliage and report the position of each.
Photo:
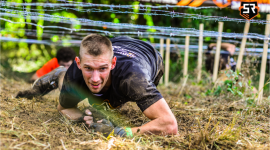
(149, 22)
(217, 91)
(134, 17)
(251, 102)
(233, 87)
(112, 15)
(116, 20)
(208, 92)
(55, 38)
(188, 96)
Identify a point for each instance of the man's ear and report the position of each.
(78, 62)
(113, 62)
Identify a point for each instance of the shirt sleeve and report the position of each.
(48, 67)
(137, 87)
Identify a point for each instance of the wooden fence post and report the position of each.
(186, 56)
(167, 61)
(264, 59)
(200, 52)
(242, 47)
(217, 56)
(161, 50)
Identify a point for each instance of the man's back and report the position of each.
(137, 52)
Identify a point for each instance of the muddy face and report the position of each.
(96, 70)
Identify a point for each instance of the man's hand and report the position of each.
(88, 118)
(103, 126)
(75, 114)
(107, 129)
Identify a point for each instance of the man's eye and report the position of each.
(102, 69)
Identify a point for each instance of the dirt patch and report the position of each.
(204, 122)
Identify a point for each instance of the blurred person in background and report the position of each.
(64, 57)
(225, 62)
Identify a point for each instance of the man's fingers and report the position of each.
(100, 121)
(88, 118)
(88, 112)
(89, 122)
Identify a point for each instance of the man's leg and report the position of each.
(45, 84)
(160, 73)
(61, 79)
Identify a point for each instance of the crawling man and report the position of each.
(116, 71)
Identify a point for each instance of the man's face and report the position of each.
(96, 70)
(65, 64)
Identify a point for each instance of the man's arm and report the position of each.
(75, 114)
(226, 46)
(163, 121)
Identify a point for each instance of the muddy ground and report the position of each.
(204, 122)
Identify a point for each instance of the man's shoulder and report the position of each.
(127, 67)
(130, 74)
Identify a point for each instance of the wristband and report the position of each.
(110, 135)
(122, 132)
(129, 132)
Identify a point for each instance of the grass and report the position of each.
(204, 121)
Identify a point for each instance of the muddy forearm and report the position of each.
(70, 113)
(163, 121)
(225, 46)
(159, 126)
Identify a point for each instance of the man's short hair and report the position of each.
(94, 45)
(210, 59)
(65, 54)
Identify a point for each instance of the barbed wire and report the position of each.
(174, 48)
(79, 36)
(166, 13)
(141, 31)
(79, 21)
(168, 31)
(184, 32)
(112, 6)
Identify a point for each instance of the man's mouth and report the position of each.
(95, 85)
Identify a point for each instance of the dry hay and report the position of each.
(204, 122)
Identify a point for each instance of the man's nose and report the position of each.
(95, 76)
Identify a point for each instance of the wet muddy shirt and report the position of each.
(133, 77)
